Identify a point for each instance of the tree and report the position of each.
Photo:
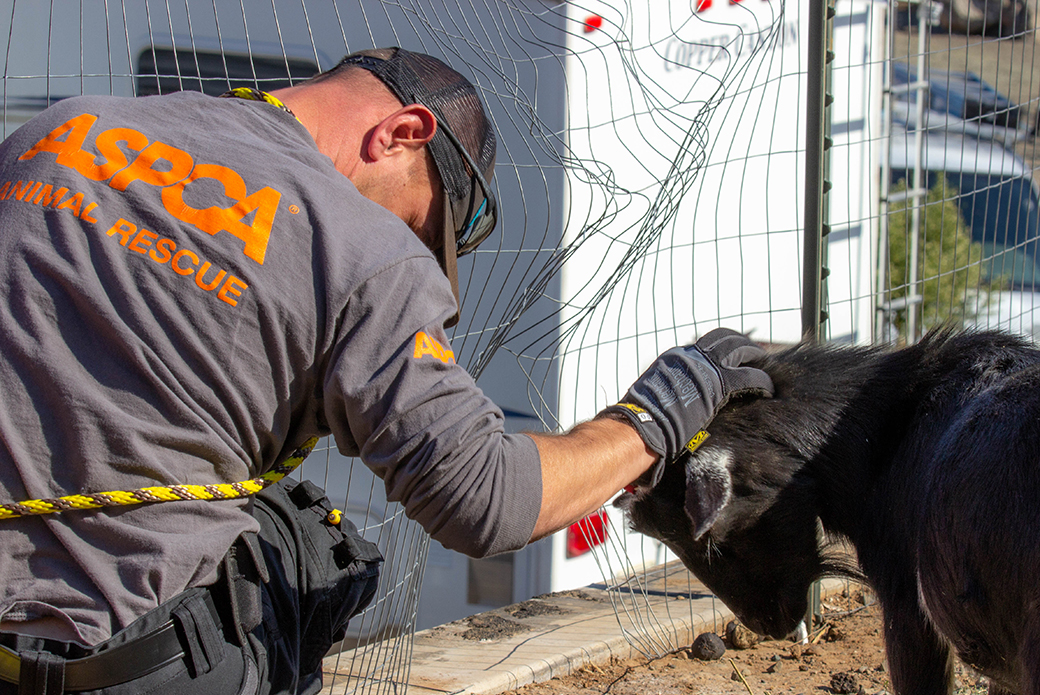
(949, 264)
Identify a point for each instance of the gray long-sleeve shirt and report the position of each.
(189, 291)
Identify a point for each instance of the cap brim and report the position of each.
(448, 259)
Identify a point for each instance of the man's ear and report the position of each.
(407, 129)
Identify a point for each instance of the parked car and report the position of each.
(999, 198)
(962, 102)
(986, 17)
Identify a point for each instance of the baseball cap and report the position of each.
(462, 147)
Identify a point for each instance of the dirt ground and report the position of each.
(845, 655)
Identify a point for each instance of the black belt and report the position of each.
(120, 664)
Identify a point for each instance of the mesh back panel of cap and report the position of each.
(420, 78)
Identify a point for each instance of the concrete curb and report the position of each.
(540, 639)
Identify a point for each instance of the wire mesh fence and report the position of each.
(653, 180)
(959, 185)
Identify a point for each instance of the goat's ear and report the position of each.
(708, 488)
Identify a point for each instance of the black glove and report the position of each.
(675, 399)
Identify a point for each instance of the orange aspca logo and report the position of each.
(425, 345)
(172, 170)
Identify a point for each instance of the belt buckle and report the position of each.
(10, 665)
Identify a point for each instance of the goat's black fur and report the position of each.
(926, 459)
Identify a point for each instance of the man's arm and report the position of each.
(584, 468)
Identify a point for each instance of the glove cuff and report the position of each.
(649, 431)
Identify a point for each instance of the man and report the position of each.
(194, 287)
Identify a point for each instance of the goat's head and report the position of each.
(741, 512)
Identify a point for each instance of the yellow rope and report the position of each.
(170, 493)
(257, 95)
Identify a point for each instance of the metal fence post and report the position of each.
(817, 184)
(817, 142)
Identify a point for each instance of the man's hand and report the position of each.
(675, 399)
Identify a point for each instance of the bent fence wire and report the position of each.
(651, 177)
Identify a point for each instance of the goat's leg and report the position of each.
(1029, 655)
(920, 660)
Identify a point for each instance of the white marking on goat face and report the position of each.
(708, 488)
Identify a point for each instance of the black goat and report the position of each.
(926, 459)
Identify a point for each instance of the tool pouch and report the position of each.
(321, 572)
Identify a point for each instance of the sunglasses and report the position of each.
(477, 213)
